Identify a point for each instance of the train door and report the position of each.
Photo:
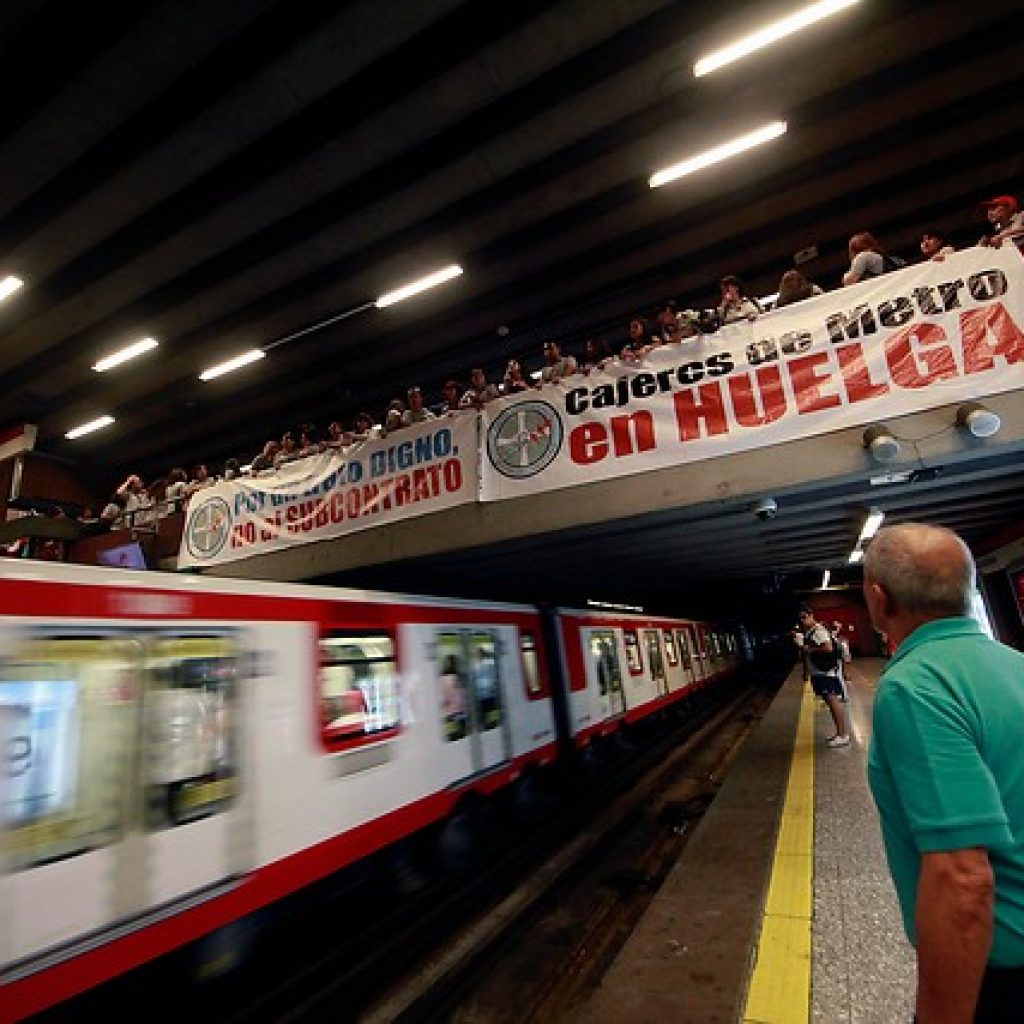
(673, 668)
(474, 718)
(604, 673)
(656, 660)
(713, 650)
(191, 836)
(68, 718)
(686, 657)
(697, 660)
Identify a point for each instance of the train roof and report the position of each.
(29, 570)
(640, 618)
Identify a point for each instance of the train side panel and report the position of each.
(180, 773)
(621, 668)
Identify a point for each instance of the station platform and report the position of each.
(780, 908)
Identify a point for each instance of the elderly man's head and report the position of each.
(914, 573)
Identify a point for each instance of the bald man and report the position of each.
(946, 768)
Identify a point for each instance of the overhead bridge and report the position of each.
(667, 455)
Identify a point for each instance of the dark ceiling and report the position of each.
(221, 175)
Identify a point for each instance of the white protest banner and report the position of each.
(411, 472)
(932, 334)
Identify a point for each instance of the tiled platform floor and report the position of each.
(689, 959)
(863, 967)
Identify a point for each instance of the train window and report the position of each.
(671, 653)
(358, 688)
(67, 731)
(684, 648)
(605, 660)
(483, 671)
(190, 751)
(634, 659)
(531, 667)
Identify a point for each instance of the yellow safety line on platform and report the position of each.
(780, 987)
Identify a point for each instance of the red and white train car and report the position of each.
(622, 667)
(180, 751)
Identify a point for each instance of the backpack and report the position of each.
(824, 662)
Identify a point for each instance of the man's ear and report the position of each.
(881, 599)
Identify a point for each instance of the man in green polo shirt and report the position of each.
(946, 768)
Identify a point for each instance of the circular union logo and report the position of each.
(209, 527)
(524, 439)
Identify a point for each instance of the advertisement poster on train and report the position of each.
(419, 470)
(929, 335)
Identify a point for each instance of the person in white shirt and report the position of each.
(1003, 213)
(416, 412)
(735, 304)
(868, 259)
(137, 500)
(480, 392)
(556, 365)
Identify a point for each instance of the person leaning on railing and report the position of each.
(1004, 214)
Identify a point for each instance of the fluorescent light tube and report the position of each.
(87, 428)
(9, 285)
(719, 153)
(856, 556)
(825, 577)
(116, 358)
(871, 526)
(415, 287)
(769, 34)
(232, 364)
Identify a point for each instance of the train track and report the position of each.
(536, 955)
(475, 922)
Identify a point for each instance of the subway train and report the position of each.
(181, 751)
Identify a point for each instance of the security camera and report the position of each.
(765, 509)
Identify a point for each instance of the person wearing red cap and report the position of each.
(1004, 215)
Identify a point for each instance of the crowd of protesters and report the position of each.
(139, 505)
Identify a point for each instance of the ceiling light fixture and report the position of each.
(9, 285)
(116, 358)
(718, 153)
(871, 526)
(772, 33)
(856, 557)
(415, 287)
(614, 606)
(978, 420)
(880, 441)
(826, 577)
(87, 428)
(232, 364)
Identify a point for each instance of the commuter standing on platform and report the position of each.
(821, 659)
(842, 657)
(947, 775)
